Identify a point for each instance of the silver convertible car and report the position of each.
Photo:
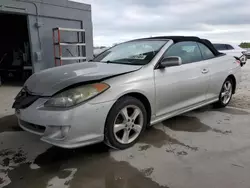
(125, 89)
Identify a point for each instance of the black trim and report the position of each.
(24, 99)
(33, 127)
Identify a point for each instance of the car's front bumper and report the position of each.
(72, 128)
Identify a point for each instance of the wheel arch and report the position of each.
(141, 97)
(232, 77)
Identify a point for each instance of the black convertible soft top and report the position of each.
(187, 38)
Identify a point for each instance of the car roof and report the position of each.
(176, 39)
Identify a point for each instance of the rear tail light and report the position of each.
(238, 62)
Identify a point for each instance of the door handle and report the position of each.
(204, 71)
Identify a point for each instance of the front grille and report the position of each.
(24, 99)
(33, 127)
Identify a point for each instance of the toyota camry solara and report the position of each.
(125, 89)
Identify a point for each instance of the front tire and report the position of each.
(225, 94)
(125, 123)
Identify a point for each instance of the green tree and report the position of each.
(245, 45)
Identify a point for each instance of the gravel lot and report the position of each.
(242, 98)
(205, 148)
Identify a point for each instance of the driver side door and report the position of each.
(180, 87)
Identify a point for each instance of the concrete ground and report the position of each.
(205, 148)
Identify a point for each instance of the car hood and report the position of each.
(51, 81)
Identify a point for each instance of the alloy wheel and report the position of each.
(226, 93)
(128, 124)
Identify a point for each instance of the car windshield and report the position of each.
(139, 52)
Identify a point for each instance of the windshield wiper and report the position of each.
(117, 62)
(110, 62)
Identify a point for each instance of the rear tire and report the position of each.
(125, 123)
(225, 94)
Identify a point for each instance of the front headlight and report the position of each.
(76, 95)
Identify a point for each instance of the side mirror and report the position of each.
(170, 61)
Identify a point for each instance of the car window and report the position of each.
(188, 52)
(139, 52)
(229, 47)
(220, 47)
(206, 52)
